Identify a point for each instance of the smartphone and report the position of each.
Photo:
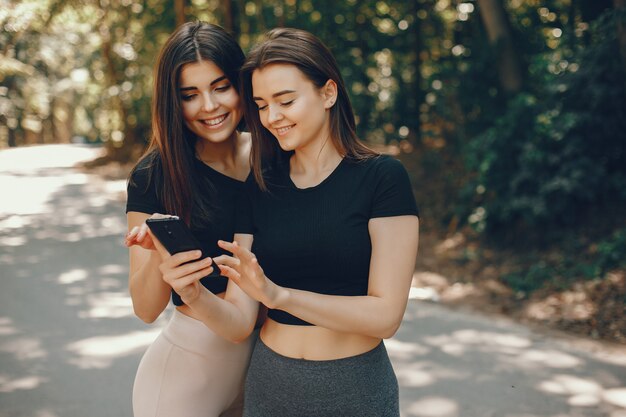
(174, 235)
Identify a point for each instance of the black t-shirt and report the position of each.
(317, 239)
(224, 190)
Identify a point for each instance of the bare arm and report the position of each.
(378, 314)
(232, 317)
(149, 293)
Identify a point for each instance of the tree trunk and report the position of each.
(125, 151)
(260, 28)
(620, 6)
(280, 22)
(231, 23)
(12, 139)
(228, 15)
(416, 95)
(368, 102)
(572, 21)
(498, 30)
(179, 9)
(244, 23)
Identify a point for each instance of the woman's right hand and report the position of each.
(140, 236)
(183, 271)
(244, 270)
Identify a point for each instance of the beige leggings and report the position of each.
(189, 371)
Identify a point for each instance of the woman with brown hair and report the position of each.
(335, 235)
(194, 168)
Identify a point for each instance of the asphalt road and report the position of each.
(70, 345)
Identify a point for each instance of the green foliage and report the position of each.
(557, 153)
(540, 167)
(526, 281)
(102, 53)
(86, 69)
(575, 262)
(611, 253)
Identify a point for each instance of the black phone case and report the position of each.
(174, 235)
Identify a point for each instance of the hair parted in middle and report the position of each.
(309, 55)
(172, 144)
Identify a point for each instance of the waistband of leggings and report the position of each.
(377, 353)
(193, 335)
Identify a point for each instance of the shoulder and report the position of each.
(143, 171)
(392, 189)
(379, 165)
(387, 162)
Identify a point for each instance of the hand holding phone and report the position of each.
(174, 235)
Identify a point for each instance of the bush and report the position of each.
(574, 263)
(557, 153)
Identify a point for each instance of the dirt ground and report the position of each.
(593, 309)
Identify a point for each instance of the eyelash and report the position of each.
(218, 89)
(285, 104)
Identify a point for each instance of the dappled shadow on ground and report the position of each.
(452, 363)
(69, 342)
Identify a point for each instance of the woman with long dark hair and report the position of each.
(194, 168)
(335, 235)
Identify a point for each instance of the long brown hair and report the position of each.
(307, 53)
(171, 151)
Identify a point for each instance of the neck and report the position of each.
(223, 153)
(316, 159)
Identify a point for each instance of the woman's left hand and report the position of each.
(246, 272)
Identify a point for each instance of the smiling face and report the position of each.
(210, 103)
(291, 107)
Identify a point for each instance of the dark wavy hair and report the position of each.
(307, 53)
(171, 151)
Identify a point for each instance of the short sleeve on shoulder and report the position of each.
(244, 222)
(393, 194)
(141, 191)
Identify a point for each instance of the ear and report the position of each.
(329, 92)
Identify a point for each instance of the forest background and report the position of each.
(509, 114)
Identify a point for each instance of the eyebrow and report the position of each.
(280, 93)
(215, 81)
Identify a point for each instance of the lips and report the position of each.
(283, 130)
(215, 121)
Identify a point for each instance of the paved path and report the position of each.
(69, 343)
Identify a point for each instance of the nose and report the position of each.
(209, 103)
(274, 114)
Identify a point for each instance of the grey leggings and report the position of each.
(359, 386)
